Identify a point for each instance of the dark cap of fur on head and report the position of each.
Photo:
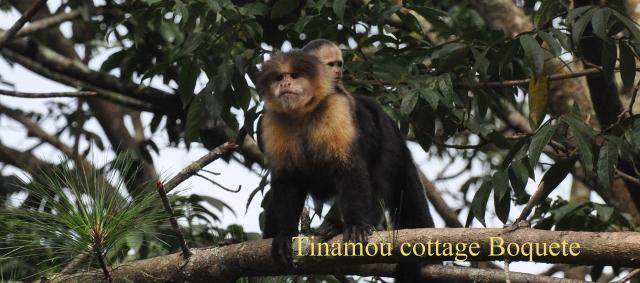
(304, 64)
(317, 44)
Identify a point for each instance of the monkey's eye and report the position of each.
(339, 64)
(331, 64)
(295, 75)
(279, 78)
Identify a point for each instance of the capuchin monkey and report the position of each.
(327, 144)
(328, 53)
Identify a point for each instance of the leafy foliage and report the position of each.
(440, 69)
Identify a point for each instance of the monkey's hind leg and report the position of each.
(331, 225)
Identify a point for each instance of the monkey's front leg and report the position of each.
(284, 211)
(355, 195)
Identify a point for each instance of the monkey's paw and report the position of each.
(328, 230)
(281, 250)
(357, 233)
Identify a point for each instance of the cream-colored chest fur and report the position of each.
(325, 135)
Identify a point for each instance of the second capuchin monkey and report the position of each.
(328, 53)
(333, 146)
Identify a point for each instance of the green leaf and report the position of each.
(283, 7)
(533, 52)
(187, 81)
(479, 202)
(583, 136)
(503, 207)
(629, 23)
(547, 11)
(627, 65)
(600, 23)
(408, 103)
(424, 127)
(338, 8)
(563, 39)
(539, 141)
(555, 47)
(580, 25)
(518, 177)
(604, 212)
(195, 117)
(445, 84)
(607, 160)
(431, 96)
(500, 182)
(609, 54)
(555, 175)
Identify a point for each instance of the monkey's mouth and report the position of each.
(287, 93)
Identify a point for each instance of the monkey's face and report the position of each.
(331, 56)
(291, 90)
(292, 82)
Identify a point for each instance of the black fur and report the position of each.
(380, 175)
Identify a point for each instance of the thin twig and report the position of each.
(218, 184)
(461, 146)
(629, 276)
(210, 172)
(57, 19)
(526, 81)
(628, 177)
(47, 94)
(28, 14)
(594, 70)
(174, 223)
(197, 165)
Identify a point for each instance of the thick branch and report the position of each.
(23, 160)
(449, 216)
(37, 131)
(223, 264)
(77, 70)
(43, 70)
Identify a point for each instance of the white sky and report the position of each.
(171, 159)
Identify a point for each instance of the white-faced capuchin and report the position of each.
(329, 54)
(330, 145)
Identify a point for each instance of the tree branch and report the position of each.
(79, 74)
(55, 20)
(47, 94)
(197, 165)
(223, 264)
(36, 130)
(21, 21)
(450, 218)
(511, 83)
(43, 70)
